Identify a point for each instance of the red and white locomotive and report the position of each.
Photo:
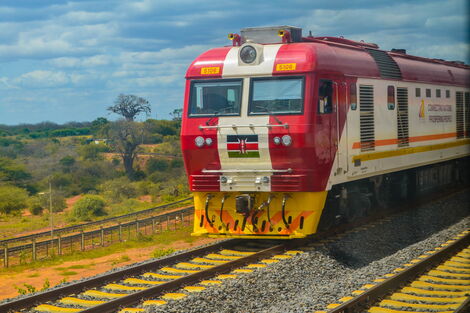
(278, 127)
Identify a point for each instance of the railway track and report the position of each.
(155, 282)
(438, 281)
(131, 285)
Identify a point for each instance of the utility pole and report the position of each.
(50, 210)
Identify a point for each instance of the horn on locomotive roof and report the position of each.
(235, 38)
(285, 35)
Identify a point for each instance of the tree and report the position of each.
(12, 171)
(176, 114)
(98, 126)
(126, 136)
(12, 199)
(129, 106)
(67, 162)
(88, 206)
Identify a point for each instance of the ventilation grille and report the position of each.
(459, 119)
(366, 110)
(388, 68)
(402, 117)
(467, 114)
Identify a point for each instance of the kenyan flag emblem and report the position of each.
(242, 146)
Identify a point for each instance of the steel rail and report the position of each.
(134, 298)
(74, 288)
(372, 295)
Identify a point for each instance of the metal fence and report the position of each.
(70, 229)
(78, 239)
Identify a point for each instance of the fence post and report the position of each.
(102, 236)
(34, 248)
(59, 245)
(153, 226)
(182, 219)
(5, 256)
(136, 227)
(120, 232)
(168, 222)
(176, 220)
(82, 241)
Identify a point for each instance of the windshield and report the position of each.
(277, 95)
(215, 97)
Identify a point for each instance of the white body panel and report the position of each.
(424, 131)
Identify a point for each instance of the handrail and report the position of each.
(289, 170)
(201, 127)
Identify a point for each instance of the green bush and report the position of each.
(118, 189)
(12, 199)
(88, 207)
(154, 165)
(35, 206)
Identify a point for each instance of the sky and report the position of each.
(64, 61)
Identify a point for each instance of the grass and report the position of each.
(121, 259)
(68, 273)
(34, 275)
(162, 252)
(79, 266)
(164, 238)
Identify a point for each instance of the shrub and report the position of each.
(12, 199)
(35, 206)
(89, 206)
(154, 165)
(118, 189)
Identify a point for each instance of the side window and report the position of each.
(418, 92)
(325, 96)
(391, 97)
(428, 93)
(438, 93)
(447, 93)
(353, 96)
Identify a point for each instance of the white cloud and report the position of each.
(42, 78)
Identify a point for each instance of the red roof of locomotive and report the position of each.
(348, 57)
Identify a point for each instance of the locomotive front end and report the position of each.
(247, 138)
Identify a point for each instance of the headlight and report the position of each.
(208, 141)
(277, 140)
(199, 141)
(265, 179)
(248, 54)
(223, 179)
(286, 140)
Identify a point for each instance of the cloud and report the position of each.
(89, 51)
(42, 79)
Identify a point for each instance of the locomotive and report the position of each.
(280, 131)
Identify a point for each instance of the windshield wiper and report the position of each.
(217, 113)
(270, 113)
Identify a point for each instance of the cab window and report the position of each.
(325, 96)
(276, 95)
(215, 97)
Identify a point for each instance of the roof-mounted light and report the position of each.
(248, 54)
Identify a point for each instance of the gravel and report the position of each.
(320, 276)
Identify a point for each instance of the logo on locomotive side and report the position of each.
(242, 146)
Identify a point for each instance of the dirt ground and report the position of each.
(74, 270)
